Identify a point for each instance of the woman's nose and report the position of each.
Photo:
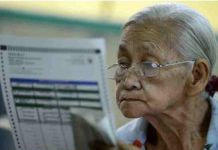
(131, 82)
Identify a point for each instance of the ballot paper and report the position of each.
(53, 89)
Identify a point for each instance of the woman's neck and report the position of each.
(183, 127)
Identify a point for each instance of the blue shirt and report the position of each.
(136, 129)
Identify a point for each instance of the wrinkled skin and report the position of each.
(171, 101)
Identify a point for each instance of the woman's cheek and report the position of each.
(155, 97)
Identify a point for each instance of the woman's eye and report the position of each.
(154, 65)
(123, 65)
(149, 65)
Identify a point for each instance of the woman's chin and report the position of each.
(132, 110)
(131, 113)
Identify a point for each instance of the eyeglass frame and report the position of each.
(156, 65)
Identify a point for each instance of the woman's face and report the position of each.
(141, 97)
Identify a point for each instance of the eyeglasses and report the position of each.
(145, 69)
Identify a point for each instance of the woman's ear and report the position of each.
(198, 78)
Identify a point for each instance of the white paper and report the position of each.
(42, 79)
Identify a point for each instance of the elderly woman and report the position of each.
(165, 60)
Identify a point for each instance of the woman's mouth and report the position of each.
(129, 100)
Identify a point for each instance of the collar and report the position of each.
(213, 128)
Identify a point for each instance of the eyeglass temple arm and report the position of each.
(177, 63)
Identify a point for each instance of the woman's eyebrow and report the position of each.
(151, 49)
(122, 50)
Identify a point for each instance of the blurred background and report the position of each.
(96, 19)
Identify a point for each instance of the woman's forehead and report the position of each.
(142, 31)
(137, 37)
(146, 48)
(144, 41)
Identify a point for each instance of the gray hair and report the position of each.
(190, 32)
